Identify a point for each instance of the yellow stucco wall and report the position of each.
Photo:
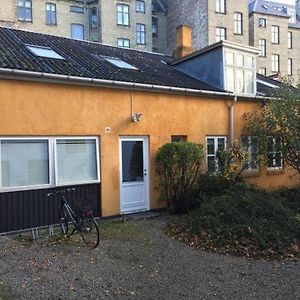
(33, 109)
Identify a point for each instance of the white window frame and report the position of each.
(140, 6)
(262, 71)
(262, 22)
(140, 34)
(249, 150)
(24, 8)
(221, 34)
(221, 6)
(122, 41)
(275, 33)
(50, 12)
(52, 152)
(275, 63)
(290, 66)
(290, 40)
(238, 23)
(121, 11)
(78, 25)
(274, 160)
(262, 45)
(215, 138)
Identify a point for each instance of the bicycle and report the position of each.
(83, 222)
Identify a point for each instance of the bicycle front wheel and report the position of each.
(89, 231)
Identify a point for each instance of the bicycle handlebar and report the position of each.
(60, 192)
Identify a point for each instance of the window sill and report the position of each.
(220, 13)
(275, 171)
(247, 174)
(239, 34)
(25, 21)
(123, 25)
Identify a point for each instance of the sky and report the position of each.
(290, 2)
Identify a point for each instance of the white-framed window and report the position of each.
(262, 47)
(262, 71)
(262, 22)
(290, 40)
(220, 34)
(213, 145)
(41, 162)
(124, 43)
(292, 13)
(77, 31)
(140, 6)
(43, 52)
(250, 144)
(123, 14)
(154, 26)
(274, 157)
(275, 34)
(51, 14)
(240, 73)
(290, 66)
(77, 9)
(221, 6)
(25, 10)
(238, 23)
(140, 34)
(275, 63)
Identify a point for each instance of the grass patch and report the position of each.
(244, 221)
(115, 230)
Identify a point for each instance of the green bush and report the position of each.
(289, 198)
(244, 219)
(178, 165)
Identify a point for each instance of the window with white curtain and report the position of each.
(77, 31)
(24, 163)
(76, 160)
(28, 163)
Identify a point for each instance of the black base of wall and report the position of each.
(29, 209)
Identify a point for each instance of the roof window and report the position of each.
(119, 63)
(44, 52)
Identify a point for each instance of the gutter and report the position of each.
(231, 120)
(13, 74)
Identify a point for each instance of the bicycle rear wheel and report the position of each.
(89, 231)
(63, 220)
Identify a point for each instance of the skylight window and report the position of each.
(119, 63)
(44, 52)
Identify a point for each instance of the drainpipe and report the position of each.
(231, 116)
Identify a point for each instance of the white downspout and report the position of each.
(231, 117)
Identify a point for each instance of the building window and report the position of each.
(274, 153)
(290, 67)
(178, 138)
(50, 14)
(262, 22)
(140, 34)
(275, 34)
(238, 23)
(220, 34)
(240, 73)
(93, 17)
(262, 71)
(154, 26)
(28, 163)
(275, 63)
(221, 6)
(250, 144)
(262, 47)
(292, 13)
(140, 6)
(213, 145)
(25, 10)
(124, 43)
(77, 31)
(123, 14)
(290, 40)
(76, 9)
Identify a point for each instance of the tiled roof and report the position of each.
(85, 59)
(159, 6)
(272, 8)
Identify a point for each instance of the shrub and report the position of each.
(178, 166)
(244, 221)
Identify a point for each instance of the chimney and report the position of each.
(298, 8)
(183, 41)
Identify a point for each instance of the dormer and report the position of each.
(225, 65)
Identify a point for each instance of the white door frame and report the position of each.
(145, 140)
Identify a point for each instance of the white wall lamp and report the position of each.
(136, 117)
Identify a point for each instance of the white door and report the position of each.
(134, 174)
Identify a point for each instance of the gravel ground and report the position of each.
(136, 260)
